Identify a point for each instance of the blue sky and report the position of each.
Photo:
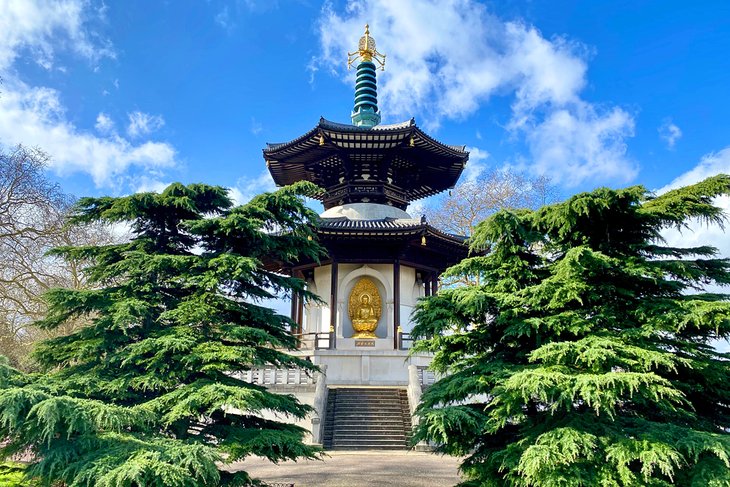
(132, 95)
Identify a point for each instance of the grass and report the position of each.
(11, 475)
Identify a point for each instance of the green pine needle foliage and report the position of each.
(13, 475)
(147, 394)
(585, 357)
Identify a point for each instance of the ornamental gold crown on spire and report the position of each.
(366, 51)
(366, 113)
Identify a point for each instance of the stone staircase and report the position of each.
(367, 419)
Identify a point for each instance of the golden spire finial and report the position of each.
(366, 51)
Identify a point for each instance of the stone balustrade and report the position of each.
(277, 377)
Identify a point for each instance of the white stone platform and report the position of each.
(367, 367)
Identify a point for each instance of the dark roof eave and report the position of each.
(458, 151)
(386, 228)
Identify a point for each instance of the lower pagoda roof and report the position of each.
(413, 242)
(387, 164)
(385, 227)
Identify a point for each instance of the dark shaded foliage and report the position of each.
(585, 357)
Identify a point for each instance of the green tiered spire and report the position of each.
(366, 113)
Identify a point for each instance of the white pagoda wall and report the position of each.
(317, 315)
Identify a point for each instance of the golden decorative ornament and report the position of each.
(423, 240)
(366, 51)
(365, 308)
(321, 139)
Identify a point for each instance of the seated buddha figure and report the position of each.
(364, 308)
(365, 311)
(365, 319)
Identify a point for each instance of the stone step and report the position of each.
(369, 416)
(367, 404)
(355, 433)
(368, 407)
(353, 399)
(369, 439)
(368, 447)
(339, 424)
(365, 429)
(371, 443)
(369, 400)
(395, 413)
(367, 419)
(347, 422)
(369, 390)
(385, 412)
(373, 397)
(387, 423)
(363, 410)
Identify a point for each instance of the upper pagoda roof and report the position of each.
(378, 133)
(391, 164)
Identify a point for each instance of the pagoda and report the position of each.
(381, 259)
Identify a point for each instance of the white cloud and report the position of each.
(147, 184)
(711, 164)
(476, 165)
(223, 18)
(256, 126)
(418, 208)
(247, 188)
(34, 26)
(448, 57)
(226, 17)
(36, 117)
(577, 145)
(669, 132)
(698, 233)
(104, 125)
(141, 124)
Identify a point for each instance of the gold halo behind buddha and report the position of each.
(365, 308)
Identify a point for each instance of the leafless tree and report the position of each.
(32, 221)
(472, 201)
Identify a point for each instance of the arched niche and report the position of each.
(386, 295)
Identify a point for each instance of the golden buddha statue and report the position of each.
(364, 308)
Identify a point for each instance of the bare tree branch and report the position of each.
(473, 201)
(32, 221)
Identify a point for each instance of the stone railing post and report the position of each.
(414, 390)
(320, 404)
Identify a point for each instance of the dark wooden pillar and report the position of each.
(435, 284)
(396, 302)
(300, 314)
(427, 283)
(333, 304)
(294, 308)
